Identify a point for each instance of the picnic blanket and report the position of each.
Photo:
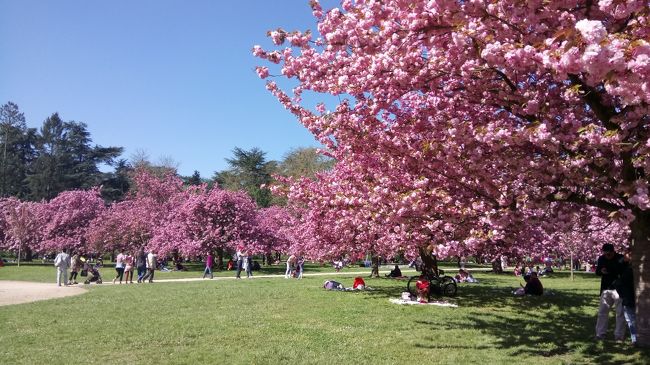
(414, 302)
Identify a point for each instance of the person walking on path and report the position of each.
(119, 266)
(151, 267)
(129, 261)
(609, 268)
(625, 290)
(240, 263)
(247, 261)
(62, 262)
(75, 264)
(141, 264)
(300, 266)
(291, 262)
(209, 261)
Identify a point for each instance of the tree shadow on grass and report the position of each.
(539, 326)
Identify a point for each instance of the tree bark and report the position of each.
(219, 260)
(429, 260)
(28, 254)
(375, 267)
(640, 228)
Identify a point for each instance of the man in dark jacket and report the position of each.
(609, 268)
(625, 290)
(533, 285)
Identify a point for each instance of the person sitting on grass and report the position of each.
(533, 286)
(422, 287)
(461, 277)
(359, 284)
(395, 273)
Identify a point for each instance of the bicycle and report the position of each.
(438, 285)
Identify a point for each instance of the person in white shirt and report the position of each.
(62, 262)
(119, 266)
(151, 267)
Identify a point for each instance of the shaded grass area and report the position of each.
(272, 321)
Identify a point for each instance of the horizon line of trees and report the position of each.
(39, 163)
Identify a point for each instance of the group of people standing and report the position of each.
(145, 263)
(124, 264)
(295, 266)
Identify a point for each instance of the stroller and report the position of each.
(93, 274)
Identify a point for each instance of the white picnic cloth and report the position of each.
(414, 302)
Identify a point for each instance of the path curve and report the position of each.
(16, 292)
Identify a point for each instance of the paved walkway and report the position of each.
(16, 292)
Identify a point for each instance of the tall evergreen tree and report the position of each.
(116, 184)
(248, 171)
(16, 152)
(195, 179)
(66, 159)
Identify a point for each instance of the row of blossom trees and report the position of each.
(496, 126)
(159, 214)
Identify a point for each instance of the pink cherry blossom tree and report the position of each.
(19, 226)
(463, 119)
(209, 221)
(132, 223)
(65, 219)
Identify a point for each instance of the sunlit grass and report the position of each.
(272, 321)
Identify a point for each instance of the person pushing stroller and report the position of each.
(93, 273)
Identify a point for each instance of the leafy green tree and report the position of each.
(116, 184)
(304, 162)
(66, 159)
(248, 171)
(17, 150)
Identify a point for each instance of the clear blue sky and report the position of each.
(174, 78)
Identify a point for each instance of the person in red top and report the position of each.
(359, 284)
(422, 286)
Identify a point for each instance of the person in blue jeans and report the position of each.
(625, 289)
(141, 264)
(209, 261)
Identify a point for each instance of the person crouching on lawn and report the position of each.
(422, 286)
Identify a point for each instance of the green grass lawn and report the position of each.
(278, 321)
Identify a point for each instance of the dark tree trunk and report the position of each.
(640, 228)
(375, 267)
(496, 266)
(429, 261)
(28, 254)
(219, 260)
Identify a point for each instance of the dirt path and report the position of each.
(16, 292)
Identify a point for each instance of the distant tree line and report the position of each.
(38, 164)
